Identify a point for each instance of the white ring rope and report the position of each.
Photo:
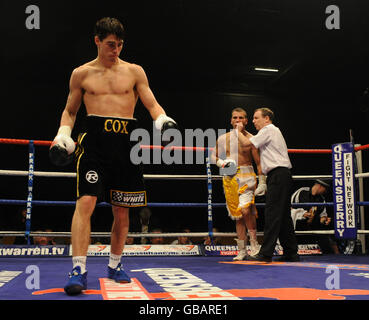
(156, 235)
(158, 176)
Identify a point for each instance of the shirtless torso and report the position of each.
(109, 91)
(109, 86)
(229, 147)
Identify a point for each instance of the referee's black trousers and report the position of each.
(278, 221)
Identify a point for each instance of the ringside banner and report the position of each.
(145, 250)
(34, 251)
(229, 250)
(344, 191)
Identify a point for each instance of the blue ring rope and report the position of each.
(164, 204)
(29, 202)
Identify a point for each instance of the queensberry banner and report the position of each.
(229, 250)
(344, 191)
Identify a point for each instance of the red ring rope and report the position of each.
(48, 143)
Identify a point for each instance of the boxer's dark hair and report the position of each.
(106, 26)
(266, 112)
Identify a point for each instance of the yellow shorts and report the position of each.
(239, 191)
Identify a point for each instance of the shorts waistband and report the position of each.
(246, 169)
(109, 125)
(107, 117)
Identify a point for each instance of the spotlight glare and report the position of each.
(266, 69)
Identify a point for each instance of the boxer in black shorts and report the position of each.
(104, 168)
(109, 88)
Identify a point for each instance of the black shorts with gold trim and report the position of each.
(104, 168)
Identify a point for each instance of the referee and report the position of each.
(276, 164)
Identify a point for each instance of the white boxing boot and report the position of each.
(254, 247)
(242, 251)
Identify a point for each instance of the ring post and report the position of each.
(360, 241)
(359, 163)
(31, 157)
(355, 168)
(210, 190)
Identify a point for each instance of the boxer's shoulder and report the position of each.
(88, 67)
(135, 69)
(223, 137)
(81, 72)
(249, 135)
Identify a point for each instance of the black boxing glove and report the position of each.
(61, 152)
(163, 122)
(145, 215)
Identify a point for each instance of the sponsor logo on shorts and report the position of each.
(92, 176)
(129, 199)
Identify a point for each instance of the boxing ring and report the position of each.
(179, 272)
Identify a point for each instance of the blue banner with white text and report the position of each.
(345, 218)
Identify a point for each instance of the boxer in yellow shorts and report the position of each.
(239, 192)
(240, 183)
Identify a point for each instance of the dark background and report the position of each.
(199, 57)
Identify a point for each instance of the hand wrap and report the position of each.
(262, 186)
(61, 152)
(228, 167)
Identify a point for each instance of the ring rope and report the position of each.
(155, 235)
(20, 173)
(31, 174)
(164, 204)
(183, 148)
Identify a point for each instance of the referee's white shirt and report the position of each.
(272, 147)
